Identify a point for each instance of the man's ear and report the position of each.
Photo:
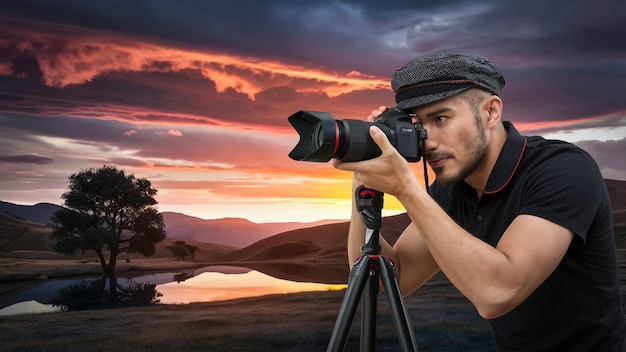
(493, 109)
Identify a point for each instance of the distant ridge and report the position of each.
(241, 233)
(39, 213)
(232, 232)
(320, 242)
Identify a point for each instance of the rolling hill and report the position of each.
(20, 239)
(39, 213)
(18, 234)
(323, 243)
(232, 232)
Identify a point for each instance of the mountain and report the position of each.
(313, 254)
(29, 240)
(230, 231)
(21, 235)
(325, 242)
(39, 213)
(234, 232)
(240, 233)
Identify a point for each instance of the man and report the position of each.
(520, 225)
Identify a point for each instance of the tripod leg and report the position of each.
(359, 275)
(396, 303)
(369, 304)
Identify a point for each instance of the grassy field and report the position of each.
(442, 321)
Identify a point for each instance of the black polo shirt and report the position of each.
(578, 307)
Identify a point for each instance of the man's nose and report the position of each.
(430, 143)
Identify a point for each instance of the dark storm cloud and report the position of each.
(25, 159)
(561, 90)
(562, 60)
(535, 31)
(372, 36)
(167, 87)
(170, 98)
(333, 31)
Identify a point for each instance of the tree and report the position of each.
(111, 213)
(180, 250)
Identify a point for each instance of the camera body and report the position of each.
(322, 138)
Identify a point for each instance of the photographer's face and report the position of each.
(456, 143)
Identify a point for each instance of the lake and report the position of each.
(213, 283)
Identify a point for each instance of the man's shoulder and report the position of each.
(552, 153)
(539, 142)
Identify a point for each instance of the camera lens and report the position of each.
(317, 137)
(322, 137)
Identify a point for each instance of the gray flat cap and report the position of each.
(442, 74)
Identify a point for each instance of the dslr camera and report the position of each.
(323, 138)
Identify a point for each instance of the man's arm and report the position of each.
(496, 280)
(412, 260)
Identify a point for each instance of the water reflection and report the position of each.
(208, 284)
(28, 307)
(217, 286)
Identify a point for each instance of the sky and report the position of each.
(194, 95)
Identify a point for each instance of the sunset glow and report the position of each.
(195, 97)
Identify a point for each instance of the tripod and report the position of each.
(363, 283)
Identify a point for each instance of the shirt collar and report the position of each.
(508, 161)
(504, 168)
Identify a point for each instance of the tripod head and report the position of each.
(369, 204)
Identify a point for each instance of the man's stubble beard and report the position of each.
(475, 150)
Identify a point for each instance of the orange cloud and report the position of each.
(76, 58)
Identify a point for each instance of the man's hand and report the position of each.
(376, 112)
(389, 173)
